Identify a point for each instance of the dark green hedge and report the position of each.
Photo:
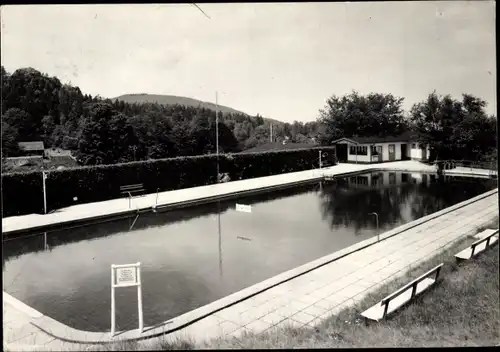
(22, 193)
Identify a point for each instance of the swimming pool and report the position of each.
(188, 261)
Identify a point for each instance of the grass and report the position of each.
(460, 310)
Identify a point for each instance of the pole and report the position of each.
(320, 163)
(218, 202)
(376, 219)
(271, 135)
(217, 131)
(139, 297)
(112, 300)
(45, 240)
(44, 192)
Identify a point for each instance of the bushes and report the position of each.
(23, 192)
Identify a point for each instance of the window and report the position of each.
(413, 145)
(358, 150)
(374, 150)
(391, 148)
(362, 150)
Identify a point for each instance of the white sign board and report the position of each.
(243, 208)
(123, 276)
(126, 276)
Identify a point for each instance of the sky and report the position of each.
(281, 60)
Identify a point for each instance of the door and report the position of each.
(424, 153)
(392, 152)
(341, 150)
(379, 152)
(404, 147)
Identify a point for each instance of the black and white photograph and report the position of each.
(273, 175)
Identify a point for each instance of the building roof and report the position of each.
(268, 147)
(29, 146)
(404, 137)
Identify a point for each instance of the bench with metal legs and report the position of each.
(130, 189)
(486, 239)
(402, 296)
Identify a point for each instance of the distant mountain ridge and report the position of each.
(172, 100)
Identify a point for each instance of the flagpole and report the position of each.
(218, 177)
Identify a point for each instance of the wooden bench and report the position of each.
(486, 239)
(131, 189)
(403, 295)
(486, 233)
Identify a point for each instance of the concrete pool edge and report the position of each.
(46, 324)
(50, 222)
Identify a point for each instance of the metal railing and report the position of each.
(491, 166)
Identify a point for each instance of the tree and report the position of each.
(126, 145)
(9, 140)
(227, 141)
(162, 146)
(454, 129)
(107, 138)
(201, 136)
(48, 126)
(23, 123)
(354, 114)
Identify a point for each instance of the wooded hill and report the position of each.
(132, 127)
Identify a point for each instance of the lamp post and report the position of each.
(376, 218)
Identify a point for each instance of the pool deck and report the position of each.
(189, 196)
(303, 296)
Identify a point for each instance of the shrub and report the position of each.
(22, 193)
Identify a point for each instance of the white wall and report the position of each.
(397, 146)
(385, 152)
(416, 153)
(359, 158)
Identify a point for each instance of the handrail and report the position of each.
(489, 165)
(414, 284)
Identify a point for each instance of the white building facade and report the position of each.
(365, 150)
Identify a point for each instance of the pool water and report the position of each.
(188, 261)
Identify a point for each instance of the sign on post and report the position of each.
(125, 276)
(243, 208)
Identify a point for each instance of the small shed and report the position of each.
(380, 148)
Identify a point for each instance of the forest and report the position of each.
(103, 131)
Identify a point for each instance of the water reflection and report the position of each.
(397, 198)
(348, 202)
(36, 242)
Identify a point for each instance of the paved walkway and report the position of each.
(304, 300)
(194, 194)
